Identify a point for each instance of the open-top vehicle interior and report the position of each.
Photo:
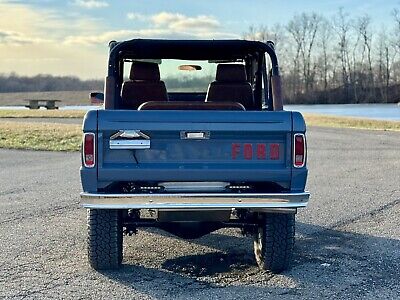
(235, 71)
(145, 91)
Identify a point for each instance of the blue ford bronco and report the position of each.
(193, 160)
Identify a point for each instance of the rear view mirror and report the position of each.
(189, 68)
(96, 98)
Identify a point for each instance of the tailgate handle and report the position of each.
(129, 144)
(195, 135)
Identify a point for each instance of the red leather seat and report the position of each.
(144, 85)
(231, 85)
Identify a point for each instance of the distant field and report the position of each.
(40, 136)
(40, 113)
(345, 122)
(67, 97)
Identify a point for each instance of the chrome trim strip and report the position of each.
(185, 187)
(129, 144)
(194, 200)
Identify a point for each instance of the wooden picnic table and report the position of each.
(37, 103)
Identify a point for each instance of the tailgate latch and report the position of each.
(195, 135)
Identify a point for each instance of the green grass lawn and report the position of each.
(41, 113)
(40, 136)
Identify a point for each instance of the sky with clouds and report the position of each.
(70, 37)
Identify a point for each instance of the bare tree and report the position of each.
(383, 67)
(295, 32)
(303, 29)
(263, 33)
(341, 60)
(363, 28)
(342, 26)
(325, 46)
(396, 18)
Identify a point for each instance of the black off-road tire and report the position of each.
(104, 240)
(274, 242)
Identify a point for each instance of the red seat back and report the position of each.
(231, 85)
(144, 85)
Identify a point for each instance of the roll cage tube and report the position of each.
(141, 47)
(266, 78)
(275, 99)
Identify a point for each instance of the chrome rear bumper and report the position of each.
(195, 200)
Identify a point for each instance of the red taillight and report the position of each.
(89, 154)
(299, 151)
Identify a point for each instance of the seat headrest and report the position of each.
(231, 73)
(144, 71)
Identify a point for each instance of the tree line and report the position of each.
(338, 60)
(46, 83)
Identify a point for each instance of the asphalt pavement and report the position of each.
(348, 239)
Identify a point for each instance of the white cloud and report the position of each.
(32, 43)
(102, 38)
(17, 38)
(162, 25)
(45, 40)
(137, 17)
(181, 22)
(91, 3)
(161, 33)
(176, 21)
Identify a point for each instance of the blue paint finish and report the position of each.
(175, 120)
(90, 121)
(299, 124)
(299, 178)
(217, 149)
(89, 179)
(174, 159)
(171, 158)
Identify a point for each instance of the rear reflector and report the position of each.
(299, 151)
(88, 151)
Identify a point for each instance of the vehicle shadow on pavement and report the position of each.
(320, 253)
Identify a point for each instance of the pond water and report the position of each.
(370, 111)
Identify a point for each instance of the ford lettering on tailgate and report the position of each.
(255, 151)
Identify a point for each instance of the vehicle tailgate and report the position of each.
(197, 146)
